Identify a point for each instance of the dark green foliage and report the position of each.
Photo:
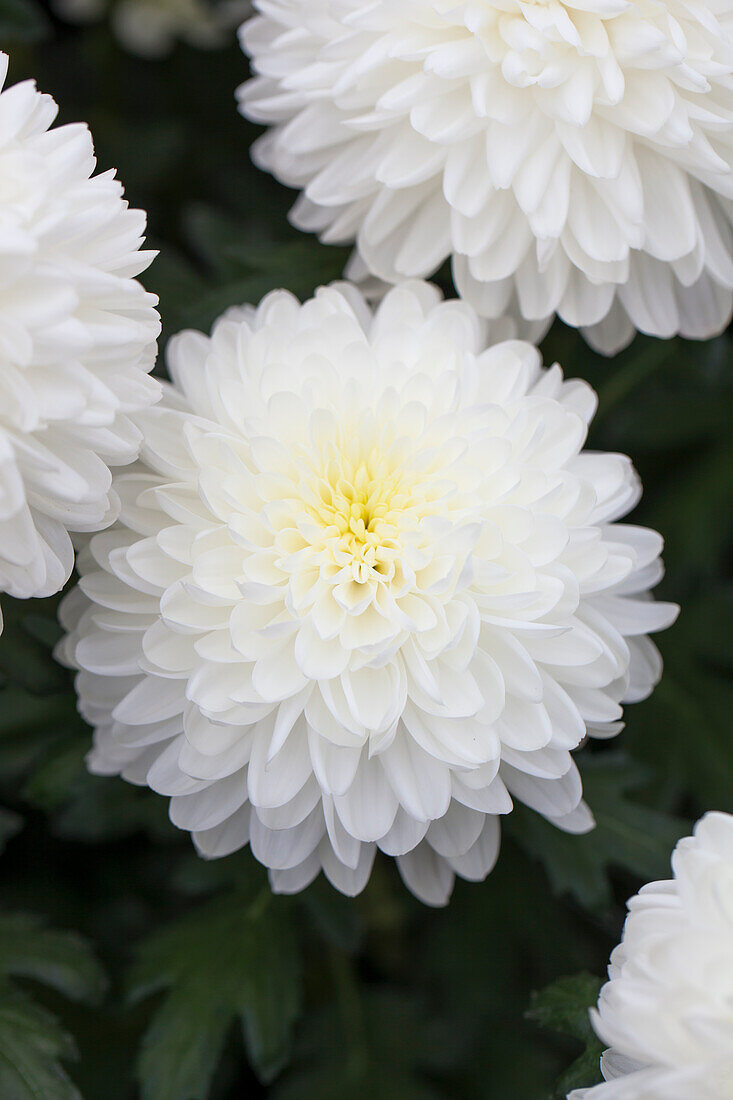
(563, 1007)
(377, 1044)
(29, 633)
(628, 835)
(33, 1043)
(235, 959)
(217, 990)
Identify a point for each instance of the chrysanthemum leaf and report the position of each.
(31, 1044)
(60, 959)
(234, 958)
(32, 1041)
(563, 1007)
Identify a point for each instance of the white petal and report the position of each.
(421, 783)
(295, 879)
(350, 881)
(283, 849)
(456, 831)
(479, 860)
(226, 838)
(427, 875)
(211, 806)
(368, 807)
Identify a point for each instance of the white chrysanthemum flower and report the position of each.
(667, 1011)
(77, 340)
(571, 157)
(150, 28)
(365, 586)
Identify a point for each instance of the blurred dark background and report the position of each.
(173, 979)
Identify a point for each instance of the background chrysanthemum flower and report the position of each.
(667, 1011)
(570, 158)
(77, 340)
(150, 28)
(365, 587)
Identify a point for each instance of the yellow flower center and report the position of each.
(357, 504)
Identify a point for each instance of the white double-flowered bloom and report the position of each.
(77, 340)
(570, 157)
(365, 588)
(667, 1011)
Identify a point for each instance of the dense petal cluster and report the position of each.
(572, 158)
(667, 1011)
(150, 28)
(77, 340)
(366, 586)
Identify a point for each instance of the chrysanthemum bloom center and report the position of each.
(358, 510)
(360, 500)
(372, 518)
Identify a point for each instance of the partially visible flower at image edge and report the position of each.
(366, 588)
(667, 1010)
(77, 340)
(569, 158)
